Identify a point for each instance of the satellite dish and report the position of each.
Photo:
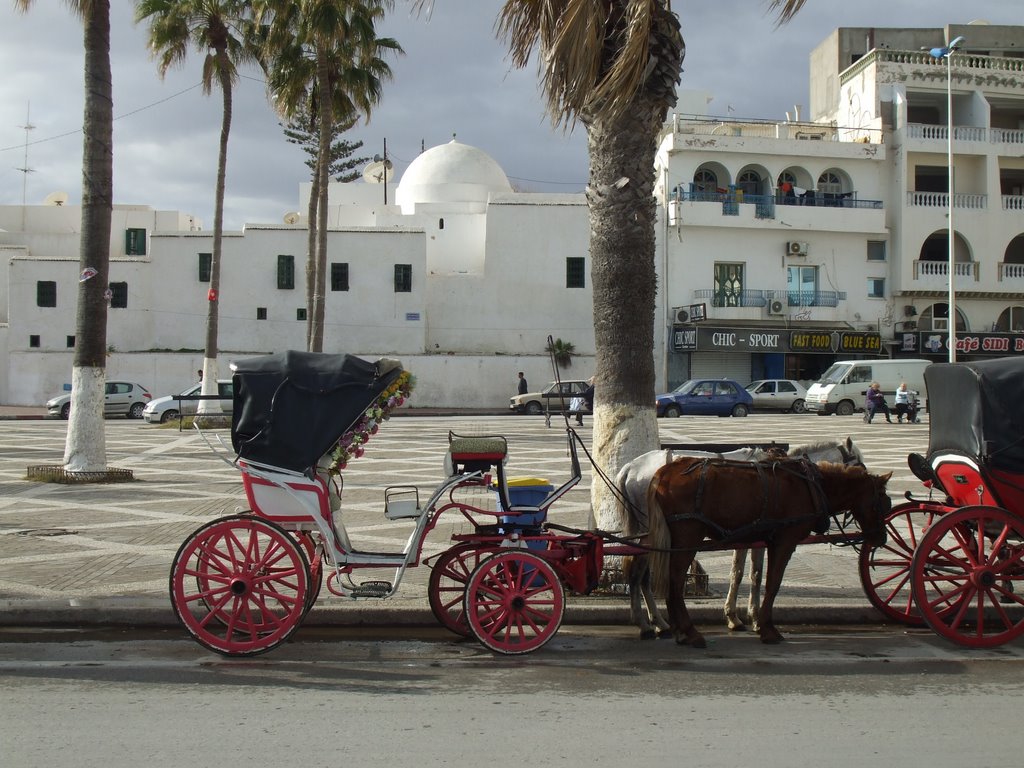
(56, 198)
(292, 217)
(375, 172)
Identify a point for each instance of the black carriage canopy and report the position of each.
(291, 408)
(977, 408)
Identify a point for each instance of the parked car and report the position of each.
(120, 398)
(163, 409)
(705, 397)
(550, 399)
(778, 395)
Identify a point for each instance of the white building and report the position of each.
(854, 260)
(798, 242)
(460, 277)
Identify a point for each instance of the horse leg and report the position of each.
(778, 558)
(756, 572)
(639, 573)
(739, 559)
(652, 606)
(685, 632)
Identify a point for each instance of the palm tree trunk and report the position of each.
(85, 448)
(311, 253)
(622, 208)
(210, 373)
(323, 165)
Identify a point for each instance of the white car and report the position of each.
(163, 409)
(119, 398)
(778, 395)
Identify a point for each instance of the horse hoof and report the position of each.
(771, 638)
(698, 642)
(648, 634)
(664, 634)
(737, 626)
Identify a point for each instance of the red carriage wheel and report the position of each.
(239, 585)
(885, 570)
(968, 576)
(514, 602)
(448, 577)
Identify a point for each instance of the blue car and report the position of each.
(705, 397)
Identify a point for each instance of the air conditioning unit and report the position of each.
(776, 307)
(793, 248)
(680, 314)
(940, 324)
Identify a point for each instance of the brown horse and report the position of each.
(778, 502)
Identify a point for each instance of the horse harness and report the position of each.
(763, 527)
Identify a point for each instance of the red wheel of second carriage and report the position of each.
(514, 602)
(239, 585)
(885, 569)
(968, 576)
(447, 589)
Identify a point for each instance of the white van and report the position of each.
(842, 387)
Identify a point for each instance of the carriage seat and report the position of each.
(965, 480)
(474, 454)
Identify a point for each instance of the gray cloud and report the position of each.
(454, 78)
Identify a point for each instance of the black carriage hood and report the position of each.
(290, 408)
(977, 408)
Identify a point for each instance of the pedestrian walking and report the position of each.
(523, 386)
(874, 401)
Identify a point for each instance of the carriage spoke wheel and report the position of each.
(239, 585)
(514, 602)
(968, 577)
(449, 575)
(885, 569)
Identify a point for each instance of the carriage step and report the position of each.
(372, 589)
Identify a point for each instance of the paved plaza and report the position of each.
(102, 553)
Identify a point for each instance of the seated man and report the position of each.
(905, 404)
(875, 401)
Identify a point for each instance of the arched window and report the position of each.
(787, 177)
(1011, 320)
(749, 182)
(705, 181)
(936, 318)
(829, 183)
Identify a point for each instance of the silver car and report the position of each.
(120, 398)
(163, 409)
(777, 395)
(551, 398)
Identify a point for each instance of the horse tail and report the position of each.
(658, 541)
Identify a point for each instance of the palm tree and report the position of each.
(324, 56)
(85, 447)
(613, 66)
(221, 30)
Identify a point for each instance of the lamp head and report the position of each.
(956, 43)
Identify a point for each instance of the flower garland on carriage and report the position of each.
(350, 445)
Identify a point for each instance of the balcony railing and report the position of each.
(926, 268)
(965, 133)
(753, 297)
(1008, 271)
(963, 61)
(967, 200)
(1013, 202)
(766, 203)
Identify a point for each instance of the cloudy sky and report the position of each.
(454, 79)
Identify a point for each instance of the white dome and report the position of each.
(451, 173)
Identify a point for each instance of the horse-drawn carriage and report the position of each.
(242, 584)
(955, 560)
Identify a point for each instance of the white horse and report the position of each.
(632, 483)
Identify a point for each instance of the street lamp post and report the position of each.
(946, 53)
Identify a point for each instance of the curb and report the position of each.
(156, 612)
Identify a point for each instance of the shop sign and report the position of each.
(860, 342)
(996, 344)
(684, 339)
(814, 341)
(740, 340)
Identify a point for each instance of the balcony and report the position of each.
(1010, 271)
(963, 200)
(964, 133)
(753, 297)
(939, 270)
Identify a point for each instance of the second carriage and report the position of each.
(954, 559)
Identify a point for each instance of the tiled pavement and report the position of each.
(102, 553)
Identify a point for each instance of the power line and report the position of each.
(118, 117)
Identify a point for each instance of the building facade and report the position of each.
(782, 247)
